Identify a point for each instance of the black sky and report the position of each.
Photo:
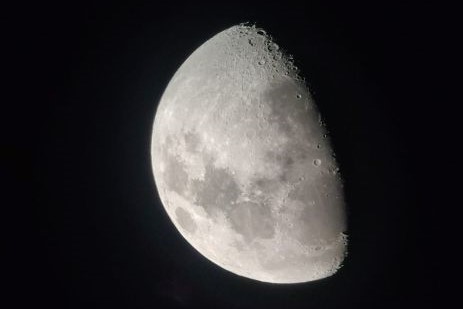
(89, 77)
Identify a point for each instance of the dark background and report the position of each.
(87, 81)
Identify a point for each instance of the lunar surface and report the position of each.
(243, 163)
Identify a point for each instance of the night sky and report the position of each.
(89, 80)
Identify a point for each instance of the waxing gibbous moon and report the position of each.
(243, 164)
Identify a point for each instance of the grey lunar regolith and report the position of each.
(243, 165)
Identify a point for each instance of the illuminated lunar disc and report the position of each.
(243, 165)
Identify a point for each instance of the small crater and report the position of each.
(277, 56)
(317, 162)
(273, 47)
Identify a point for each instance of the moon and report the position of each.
(243, 164)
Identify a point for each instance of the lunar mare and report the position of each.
(243, 165)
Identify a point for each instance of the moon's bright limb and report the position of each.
(243, 165)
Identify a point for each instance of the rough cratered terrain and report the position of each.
(243, 165)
